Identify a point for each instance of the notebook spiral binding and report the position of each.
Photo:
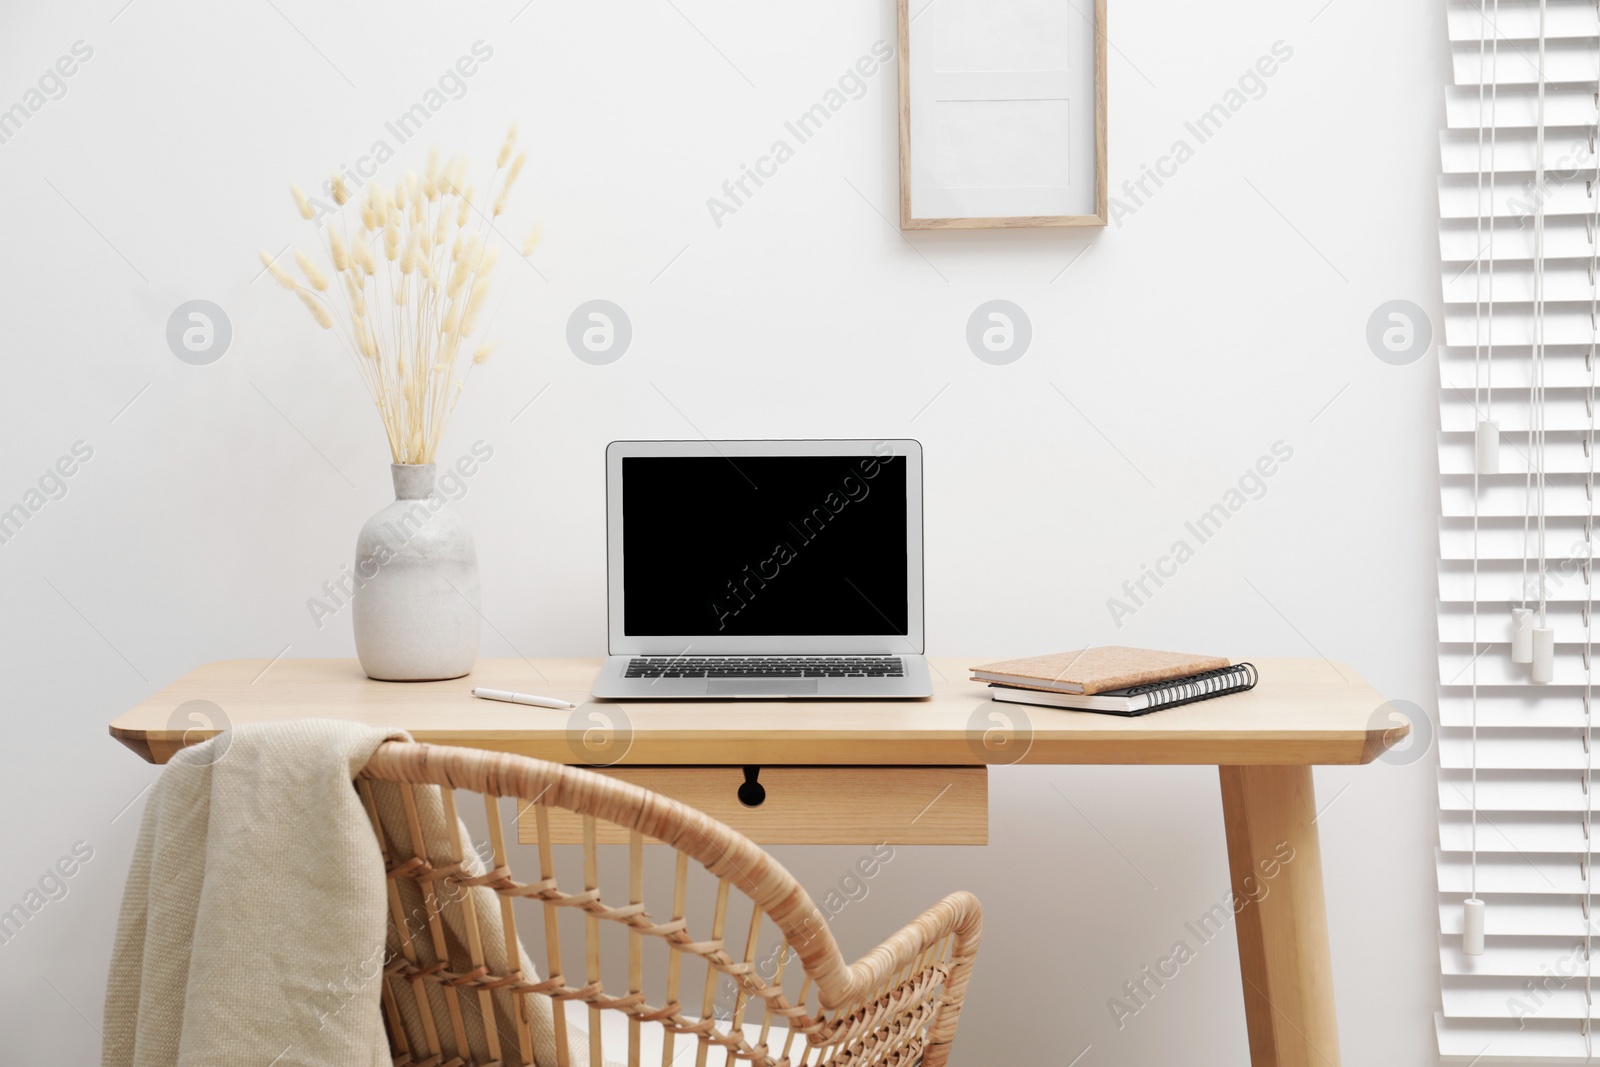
(1235, 678)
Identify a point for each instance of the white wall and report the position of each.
(1223, 315)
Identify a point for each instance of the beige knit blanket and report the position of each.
(256, 922)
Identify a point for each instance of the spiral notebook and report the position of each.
(1141, 699)
(1096, 670)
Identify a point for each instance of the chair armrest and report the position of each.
(959, 913)
(958, 916)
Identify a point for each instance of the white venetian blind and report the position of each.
(1529, 996)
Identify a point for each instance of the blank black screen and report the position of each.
(763, 546)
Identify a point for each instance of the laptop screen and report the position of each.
(764, 546)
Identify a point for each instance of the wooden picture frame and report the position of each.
(1035, 88)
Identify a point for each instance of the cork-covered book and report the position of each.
(1095, 670)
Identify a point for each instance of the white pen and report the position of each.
(521, 698)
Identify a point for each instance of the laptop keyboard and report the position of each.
(765, 667)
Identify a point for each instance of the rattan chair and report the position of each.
(897, 1006)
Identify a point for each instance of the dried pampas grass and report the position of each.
(412, 349)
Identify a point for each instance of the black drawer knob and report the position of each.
(752, 793)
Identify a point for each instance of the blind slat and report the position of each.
(1563, 454)
(1518, 20)
(1565, 60)
(1519, 705)
(1516, 107)
(1563, 367)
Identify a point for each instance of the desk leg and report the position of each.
(1283, 934)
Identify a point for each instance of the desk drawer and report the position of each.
(812, 805)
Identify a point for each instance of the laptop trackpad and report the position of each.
(757, 687)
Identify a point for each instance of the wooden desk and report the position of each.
(911, 772)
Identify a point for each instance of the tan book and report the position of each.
(1095, 670)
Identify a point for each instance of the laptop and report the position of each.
(764, 570)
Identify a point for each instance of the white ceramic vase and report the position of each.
(417, 607)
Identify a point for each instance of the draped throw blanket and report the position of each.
(257, 920)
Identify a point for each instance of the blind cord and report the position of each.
(1494, 129)
(1588, 597)
(1488, 29)
(1536, 423)
(1538, 310)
